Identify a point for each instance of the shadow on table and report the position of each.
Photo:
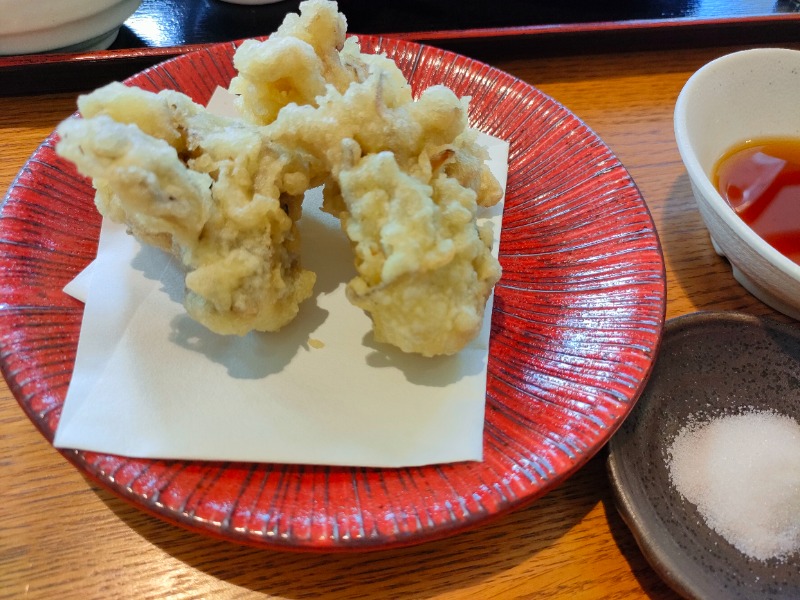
(464, 561)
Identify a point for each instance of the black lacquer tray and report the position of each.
(485, 30)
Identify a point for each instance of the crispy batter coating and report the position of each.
(296, 63)
(226, 205)
(405, 177)
(424, 272)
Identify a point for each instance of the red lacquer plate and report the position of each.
(576, 325)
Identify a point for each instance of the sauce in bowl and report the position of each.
(760, 179)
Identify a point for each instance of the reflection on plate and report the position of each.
(576, 324)
(710, 364)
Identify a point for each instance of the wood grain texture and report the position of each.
(60, 536)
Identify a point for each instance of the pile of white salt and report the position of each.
(743, 473)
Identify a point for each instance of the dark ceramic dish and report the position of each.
(709, 364)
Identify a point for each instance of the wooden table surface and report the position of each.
(63, 537)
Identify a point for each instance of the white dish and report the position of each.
(61, 25)
(740, 96)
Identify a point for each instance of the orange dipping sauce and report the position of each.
(760, 179)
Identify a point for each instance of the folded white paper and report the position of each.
(149, 382)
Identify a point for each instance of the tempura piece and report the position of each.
(308, 53)
(226, 205)
(295, 64)
(407, 178)
(425, 269)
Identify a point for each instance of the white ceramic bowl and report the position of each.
(749, 94)
(29, 26)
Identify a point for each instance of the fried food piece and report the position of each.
(424, 269)
(405, 177)
(226, 205)
(295, 64)
(308, 53)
